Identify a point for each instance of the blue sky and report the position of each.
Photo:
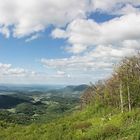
(21, 53)
(67, 43)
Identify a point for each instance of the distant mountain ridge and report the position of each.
(42, 88)
(10, 96)
(28, 88)
(75, 90)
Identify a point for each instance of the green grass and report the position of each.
(93, 123)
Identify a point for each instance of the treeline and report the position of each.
(121, 90)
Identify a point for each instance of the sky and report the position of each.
(65, 42)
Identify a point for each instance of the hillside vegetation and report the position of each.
(109, 110)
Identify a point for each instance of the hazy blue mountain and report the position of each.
(71, 90)
(28, 88)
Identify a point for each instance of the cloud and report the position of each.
(77, 69)
(60, 72)
(4, 67)
(76, 64)
(96, 47)
(16, 75)
(98, 62)
(76, 48)
(58, 33)
(28, 17)
(31, 16)
(84, 33)
(127, 9)
(114, 6)
(5, 31)
(33, 37)
(8, 70)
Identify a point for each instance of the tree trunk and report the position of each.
(121, 97)
(129, 98)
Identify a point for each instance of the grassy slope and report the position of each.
(93, 123)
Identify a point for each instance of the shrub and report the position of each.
(110, 130)
(83, 126)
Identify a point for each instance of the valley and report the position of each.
(25, 105)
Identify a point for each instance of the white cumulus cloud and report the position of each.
(31, 16)
(88, 33)
(24, 18)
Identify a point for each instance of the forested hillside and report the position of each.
(121, 90)
(109, 110)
